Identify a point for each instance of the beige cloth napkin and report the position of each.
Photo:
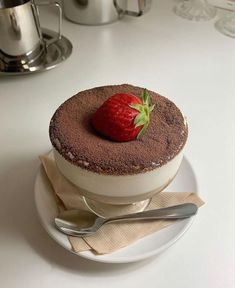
(111, 237)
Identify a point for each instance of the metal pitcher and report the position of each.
(98, 12)
(21, 39)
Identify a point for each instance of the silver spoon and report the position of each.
(84, 223)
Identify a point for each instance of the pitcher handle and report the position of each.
(143, 7)
(59, 9)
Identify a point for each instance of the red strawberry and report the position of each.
(123, 117)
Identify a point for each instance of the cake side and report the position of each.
(73, 137)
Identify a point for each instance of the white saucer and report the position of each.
(142, 249)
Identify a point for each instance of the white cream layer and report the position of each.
(119, 185)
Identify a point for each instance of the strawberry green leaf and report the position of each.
(137, 107)
(142, 131)
(145, 97)
(140, 123)
(151, 108)
(144, 109)
(139, 118)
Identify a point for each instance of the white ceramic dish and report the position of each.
(142, 249)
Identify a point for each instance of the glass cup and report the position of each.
(226, 24)
(197, 10)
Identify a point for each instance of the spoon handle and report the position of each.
(173, 212)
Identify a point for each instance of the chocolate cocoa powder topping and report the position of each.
(74, 138)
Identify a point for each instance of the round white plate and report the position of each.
(143, 248)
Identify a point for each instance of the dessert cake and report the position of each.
(111, 171)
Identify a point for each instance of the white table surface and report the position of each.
(189, 62)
